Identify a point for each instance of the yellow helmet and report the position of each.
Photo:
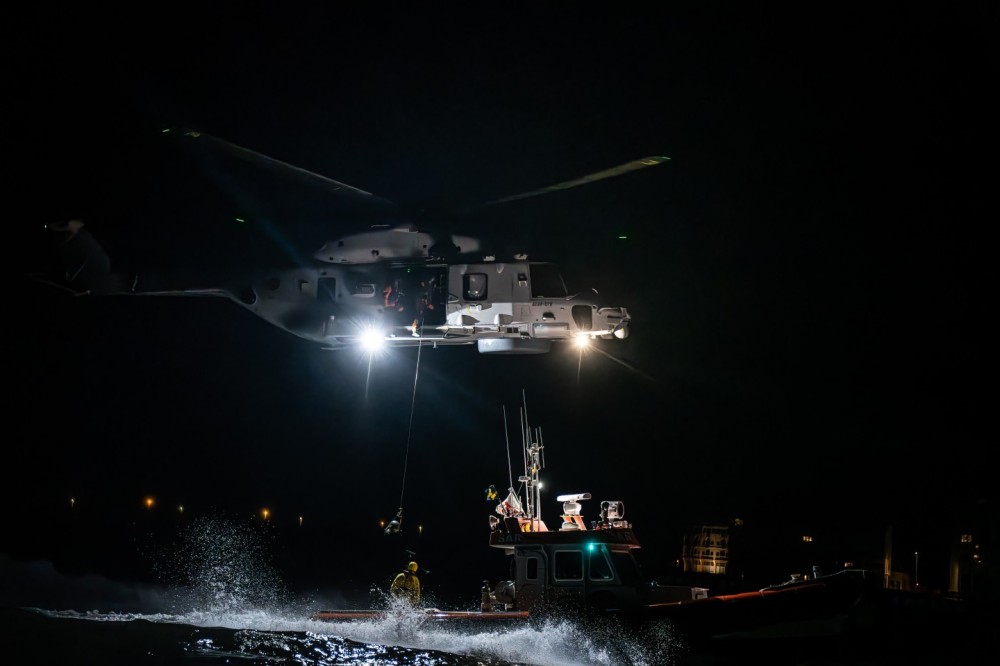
(412, 566)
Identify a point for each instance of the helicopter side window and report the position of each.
(474, 286)
(326, 289)
(360, 284)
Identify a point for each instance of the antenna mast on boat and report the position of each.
(510, 473)
(533, 463)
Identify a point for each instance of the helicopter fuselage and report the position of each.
(395, 285)
(518, 307)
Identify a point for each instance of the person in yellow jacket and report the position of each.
(406, 585)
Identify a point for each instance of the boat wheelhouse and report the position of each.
(594, 567)
(575, 565)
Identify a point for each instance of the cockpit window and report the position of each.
(474, 286)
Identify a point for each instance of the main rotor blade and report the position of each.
(252, 156)
(583, 180)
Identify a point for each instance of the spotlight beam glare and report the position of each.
(623, 363)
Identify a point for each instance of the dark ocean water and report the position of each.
(220, 602)
(40, 636)
(232, 609)
(68, 637)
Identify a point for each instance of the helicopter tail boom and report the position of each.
(77, 262)
(79, 265)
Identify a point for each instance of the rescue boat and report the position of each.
(593, 568)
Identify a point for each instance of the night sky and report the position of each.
(809, 276)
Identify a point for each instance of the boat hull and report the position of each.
(822, 606)
(432, 614)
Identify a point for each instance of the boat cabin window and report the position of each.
(628, 568)
(600, 566)
(474, 286)
(568, 565)
(531, 568)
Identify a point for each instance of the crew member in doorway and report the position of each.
(394, 301)
(391, 297)
(424, 304)
(406, 585)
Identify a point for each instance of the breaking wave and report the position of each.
(221, 600)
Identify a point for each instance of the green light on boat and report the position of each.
(623, 237)
(240, 220)
(591, 547)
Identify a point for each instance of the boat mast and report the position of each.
(532, 466)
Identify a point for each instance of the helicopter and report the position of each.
(391, 285)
